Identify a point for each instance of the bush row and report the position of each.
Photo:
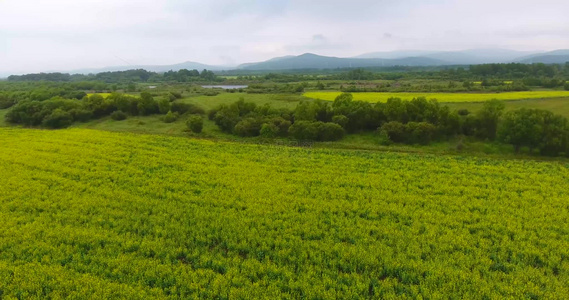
(59, 112)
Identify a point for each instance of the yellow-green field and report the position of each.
(105, 95)
(88, 214)
(444, 97)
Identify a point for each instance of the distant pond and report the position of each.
(225, 87)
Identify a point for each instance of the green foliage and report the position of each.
(316, 131)
(6, 101)
(118, 115)
(488, 118)
(183, 108)
(164, 105)
(97, 104)
(33, 113)
(340, 120)
(329, 131)
(81, 114)
(248, 127)
(170, 117)
(303, 130)
(58, 118)
(147, 105)
(395, 131)
(420, 132)
(195, 124)
(269, 130)
(226, 117)
(536, 129)
(281, 124)
(198, 219)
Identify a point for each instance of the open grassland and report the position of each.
(443, 97)
(89, 213)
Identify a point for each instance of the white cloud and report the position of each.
(40, 35)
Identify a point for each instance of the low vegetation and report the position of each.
(97, 214)
(441, 97)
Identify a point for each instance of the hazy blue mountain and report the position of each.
(313, 61)
(395, 54)
(551, 57)
(463, 57)
(546, 59)
(245, 65)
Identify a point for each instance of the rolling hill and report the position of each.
(313, 61)
(464, 57)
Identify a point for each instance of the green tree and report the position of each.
(488, 118)
(269, 130)
(58, 119)
(164, 105)
(147, 105)
(195, 124)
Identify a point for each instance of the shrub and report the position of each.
(395, 131)
(226, 118)
(6, 102)
(211, 113)
(58, 119)
(177, 95)
(318, 131)
(183, 108)
(97, 104)
(211, 93)
(269, 130)
(340, 120)
(164, 105)
(421, 132)
(303, 130)
(248, 127)
(463, 112)
(147, 105)
(81, 115)
(282, 125)
(329, 131)
(384, 138)
(170, 117)
(195, 124)
(118, 115)
(566, 86)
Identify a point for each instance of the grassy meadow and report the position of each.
(88, 213)
(443, 97)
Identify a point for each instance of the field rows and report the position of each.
(88, 213)
(443, 97)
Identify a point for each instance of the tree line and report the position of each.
(138, 75)
(417, 121)
(59, 112)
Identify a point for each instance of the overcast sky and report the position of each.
(73, 34)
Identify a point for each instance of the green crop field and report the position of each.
(104, 95)
(95, 214)
(444, 97)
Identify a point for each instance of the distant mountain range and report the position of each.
(409, 58)
(313, 61)
(374, 59)
(479, 56)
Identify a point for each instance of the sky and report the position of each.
(70, 34)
